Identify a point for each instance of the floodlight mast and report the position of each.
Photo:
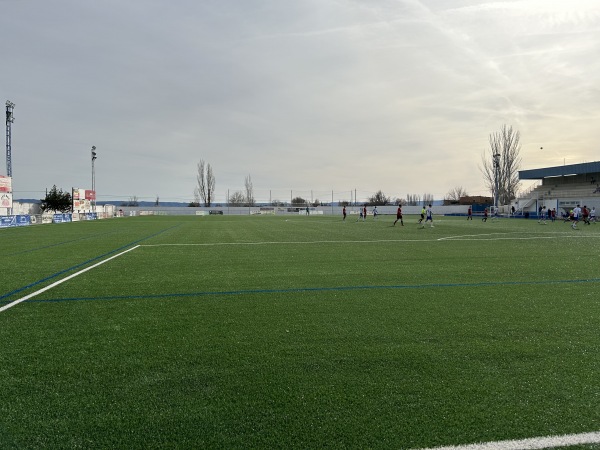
(94, 178)
(496, 179)
(9, 120)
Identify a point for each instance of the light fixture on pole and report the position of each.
(94, 178)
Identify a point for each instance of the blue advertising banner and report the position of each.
(23, 220)
(61, 218)
(8, 221)
(15, 221)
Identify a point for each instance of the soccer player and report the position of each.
(375, 213)
(429, 214)
(364, 212)
(470, 214)
(485, 214)
(344, 213)
(585, 213)
(593, 214)
(542, 216)
(422, 215)
(576, 214)
(399, 216)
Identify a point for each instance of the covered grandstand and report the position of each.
(561, 187)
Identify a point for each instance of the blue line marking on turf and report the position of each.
(77, 266)
(58, 243)
(321, 289)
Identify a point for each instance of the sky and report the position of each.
(322, 99)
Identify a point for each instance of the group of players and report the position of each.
(575, 215)
(426, 215)
(578, 213)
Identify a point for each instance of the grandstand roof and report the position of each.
(570, 169)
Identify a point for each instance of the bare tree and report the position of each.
(210, 185)
(249, 191)
(427, 199)
(502, 161)
(298, 201)
(237, 199)
(456, 193)
(413, 199)
(379, 198)
(206, 184)
(133, 201)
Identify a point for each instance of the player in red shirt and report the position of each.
(399, 216)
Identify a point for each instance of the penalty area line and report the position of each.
(566, 440)
(56, 283)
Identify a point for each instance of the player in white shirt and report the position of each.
(429, 215)
(576, 215)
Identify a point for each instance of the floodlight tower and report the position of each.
(9, 120)
(94, 177)
(497, 179)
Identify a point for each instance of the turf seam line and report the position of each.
(50, 286)
(566, 440)
(59, 244)
(318, 289)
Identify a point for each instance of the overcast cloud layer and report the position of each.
(302, 95)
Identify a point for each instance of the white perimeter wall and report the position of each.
(325, 210)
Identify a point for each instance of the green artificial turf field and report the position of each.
(297, 332)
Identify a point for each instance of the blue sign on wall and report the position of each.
(23, 220)
(15, 221)
(61, 218)
(8, 221)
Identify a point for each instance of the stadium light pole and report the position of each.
(10, 118)
(94, 177)
(497, 178)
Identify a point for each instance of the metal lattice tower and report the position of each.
(9, 120)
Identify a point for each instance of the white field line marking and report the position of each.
(50, 286)
(447, 238)
(462, 236)
(211, 244)
(532, 443)
(514, 238)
